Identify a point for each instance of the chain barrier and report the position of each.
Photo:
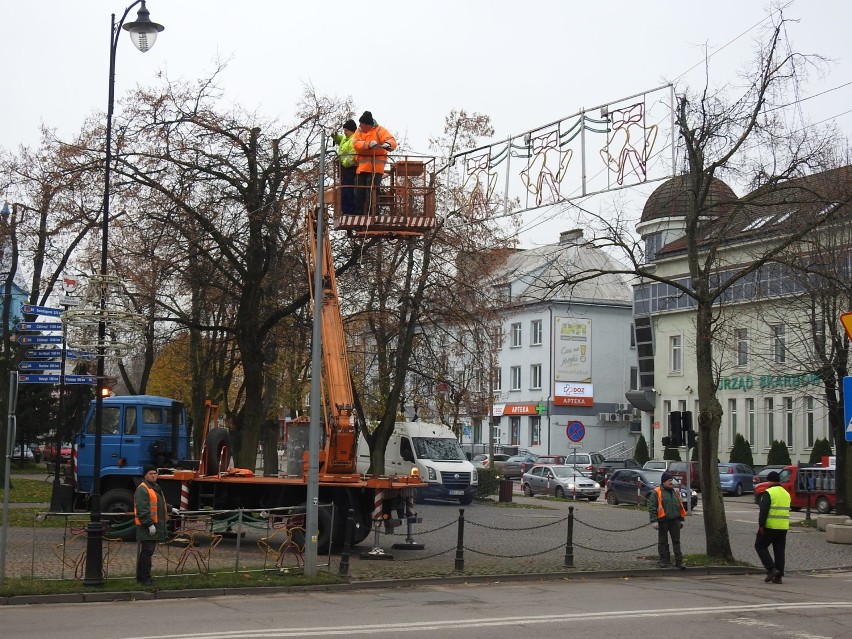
(432, 556)
(652, 545)
(552, 523)
(532, 554)
(617, 530)
(452, 522)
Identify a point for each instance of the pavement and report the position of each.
(518, 541)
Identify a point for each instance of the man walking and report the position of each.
(149, 506)
(667, 514)
(773, 522)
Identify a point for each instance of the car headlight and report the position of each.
(431, 473)
(596, 485)
(474, 478)
(569, 486)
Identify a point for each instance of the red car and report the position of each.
(64, 453)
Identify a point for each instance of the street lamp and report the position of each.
(143, 32)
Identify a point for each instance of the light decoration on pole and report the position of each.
(104, 306)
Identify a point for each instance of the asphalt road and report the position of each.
(671, 604)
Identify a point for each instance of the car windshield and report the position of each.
(438, 449)
(567, 471)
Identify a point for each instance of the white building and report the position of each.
(566, 355)
(763, 352)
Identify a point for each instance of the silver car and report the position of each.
(561, 481)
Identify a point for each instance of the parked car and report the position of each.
(760, 477)
(678, 469)
(517, 465)
(587, 462)
(633, 485)
(497, 461)
(560, 481)
(658, 464)
(64, 453)
(609, 466)
(736, 479)
(555, 460)
(22, 451)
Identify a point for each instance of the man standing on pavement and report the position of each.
(773, 522)
(149, 506)
(667, 514)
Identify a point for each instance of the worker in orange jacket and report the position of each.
(372, 144)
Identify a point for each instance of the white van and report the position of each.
(435, 451)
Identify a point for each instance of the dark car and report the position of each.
(633, 485)
(678, 469)
(761, 477)
(556, 460)
(517, 465)
(609, 466)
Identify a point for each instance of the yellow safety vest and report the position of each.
(779, 508)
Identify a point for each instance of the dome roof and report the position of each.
(672, 199)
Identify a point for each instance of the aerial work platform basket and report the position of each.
(403, 204)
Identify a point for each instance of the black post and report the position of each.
(343, 568)
(460, 543)
(569, 541)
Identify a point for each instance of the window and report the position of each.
(151, 415)
(634, 377)
(749, 407)
(516, 335)
(676, 354)
(779, 348)
(477, 431)
(809, 422)
(535, 333)
(769, 410)
(496, 337)
(535, 431)
(515, 373)
(732, 418)
(515, 425)
(632, 335)
(130, 420)
(741, 336)
(497, 374)
(535, 376)
(788, 420)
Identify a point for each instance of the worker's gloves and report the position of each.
(655, 525)
(386, 145)
(152, 530)
(175, 512)
(373, 144)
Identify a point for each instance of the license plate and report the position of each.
(457, 492)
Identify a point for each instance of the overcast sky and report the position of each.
(524, 63)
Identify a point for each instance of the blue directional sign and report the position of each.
(32, 309)
(57, 352)
(39, 366)
(54, 379)
(847, 406)
(38, 326)
(575, 431)
(39, 339)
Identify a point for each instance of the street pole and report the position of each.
(143, 33)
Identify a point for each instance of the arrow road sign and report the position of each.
(39, 366)
(40, 310)
(38, 326)
(39, 339)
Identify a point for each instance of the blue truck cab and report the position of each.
(136, 430)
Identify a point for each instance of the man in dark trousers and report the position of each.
(667, 514)
(149, 506)
(773, 522)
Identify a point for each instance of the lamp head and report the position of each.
(142, 31)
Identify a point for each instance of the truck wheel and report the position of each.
(363, 526)
(119, 501)
(323, 526)
(823, 506)
(217, 447)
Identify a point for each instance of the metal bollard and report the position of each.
(569, 542)
(460, 543)
(343, 568)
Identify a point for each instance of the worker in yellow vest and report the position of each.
(773, 522)
(149, 507)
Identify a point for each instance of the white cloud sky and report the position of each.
(523, 63)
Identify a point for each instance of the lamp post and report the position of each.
(143, 32)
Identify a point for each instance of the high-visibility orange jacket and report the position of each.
(664, 499)
(372, 160)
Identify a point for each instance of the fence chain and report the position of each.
(652, 545)
(452, 522)
(532, 554)
(580, 521)
(437, 554)
(552, 523)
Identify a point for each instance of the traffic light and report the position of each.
(690, 438)
(676, 429)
